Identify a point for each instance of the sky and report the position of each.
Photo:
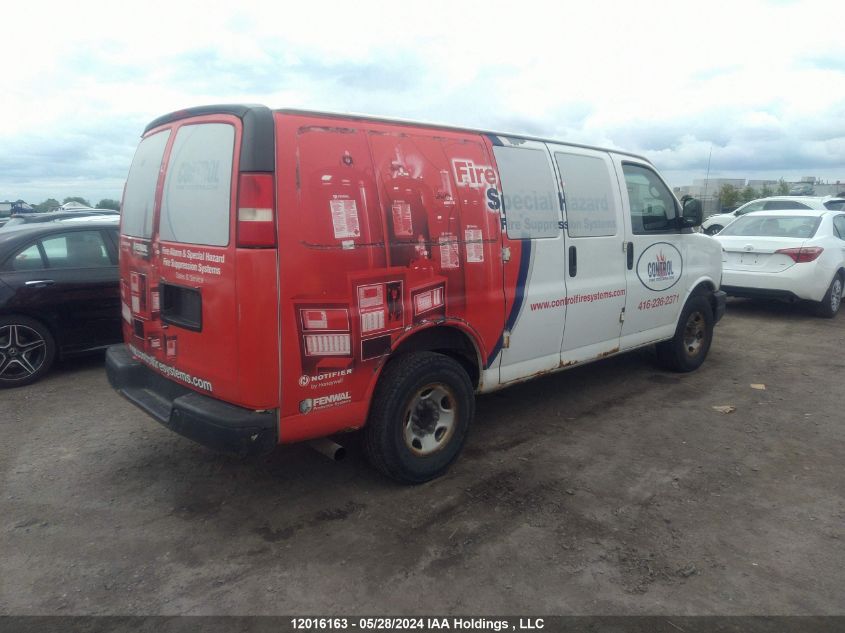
(756, 86)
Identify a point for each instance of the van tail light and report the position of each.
(256, 219)
(803, 254)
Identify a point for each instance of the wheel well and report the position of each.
(706, 289)
(45, 322)
(448, 341)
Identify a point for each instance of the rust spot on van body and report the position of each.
(609, 352)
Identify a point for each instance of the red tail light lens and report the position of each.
(256, 218)
(803, 254)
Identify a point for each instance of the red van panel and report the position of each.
(384, 230)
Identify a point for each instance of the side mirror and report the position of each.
(692, 214)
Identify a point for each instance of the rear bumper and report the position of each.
(720, 299)
(760, 293)
(807, 281)
(213, 423)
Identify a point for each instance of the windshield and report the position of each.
(800, 226)
(835, 205)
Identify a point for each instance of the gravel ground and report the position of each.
(613, 488)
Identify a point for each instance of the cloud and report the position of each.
(669, 80)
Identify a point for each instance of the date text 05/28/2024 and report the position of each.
(416, 624)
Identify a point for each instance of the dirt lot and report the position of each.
(609, 489)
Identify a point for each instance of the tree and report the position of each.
(728, 196)
(766, 191)
(78, 199)
(108, 203)
(49, 203)
(749, 194)
(783, 188)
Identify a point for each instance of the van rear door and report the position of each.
(185, 283)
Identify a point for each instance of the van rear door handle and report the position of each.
(630, 253)
(573, 261)
(40, 283)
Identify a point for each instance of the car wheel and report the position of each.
(27, 351)
(419, 418)
(829, 305)
(687, 350)
(713, 229)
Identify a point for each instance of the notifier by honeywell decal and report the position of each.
(326, 379)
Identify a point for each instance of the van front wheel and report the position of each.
(687, 350)
(419, 418)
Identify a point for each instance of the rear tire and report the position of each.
(713, 229)
(829, 305)
(27, 351)
(687, 350)
(418, 421)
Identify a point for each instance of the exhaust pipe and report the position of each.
(325, 446)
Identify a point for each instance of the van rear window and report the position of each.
(139, 197)
(197, 189)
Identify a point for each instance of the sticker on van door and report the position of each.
(345, 218)
(660, 266)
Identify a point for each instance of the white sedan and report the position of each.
(715, 223)
(788, 255)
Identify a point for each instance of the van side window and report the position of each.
(139, 197)
(588, 195)
(652, 205)
(530, 197)
(197, 189)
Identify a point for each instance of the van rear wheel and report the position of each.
(419, 418)
(687, 350)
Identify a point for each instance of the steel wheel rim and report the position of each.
(694, 332)
(22, 352)
(836, 294)
(430, 419)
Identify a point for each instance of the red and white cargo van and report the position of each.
(288, 275)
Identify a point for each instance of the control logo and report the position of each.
(660, 269)
(660, 266)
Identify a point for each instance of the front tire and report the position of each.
(421, 410)
(27, 351)
(829, 305)
(687, 350)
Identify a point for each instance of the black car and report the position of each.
(59, 294)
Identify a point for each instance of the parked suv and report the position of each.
(716, 223)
